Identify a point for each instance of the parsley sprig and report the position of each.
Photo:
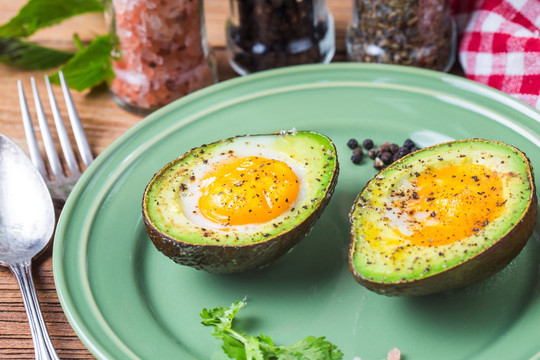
(240, 346)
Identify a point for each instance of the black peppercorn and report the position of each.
(408, 143)
(267, 34)
(382, 148)
(357, 155)
(384, 154)
(403, 151)
(352, 143)
(386, 157)
(368, 144)
(393, 148)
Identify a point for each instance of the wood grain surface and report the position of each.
(103, 122)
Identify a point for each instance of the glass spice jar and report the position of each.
(267, 34)
(419, 33)
(160, 52)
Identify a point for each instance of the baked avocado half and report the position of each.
(240, 203)
(443, 217)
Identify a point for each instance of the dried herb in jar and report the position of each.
(418, 33)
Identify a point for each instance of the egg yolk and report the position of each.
(451, 203)
(248, 190)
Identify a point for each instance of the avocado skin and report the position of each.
(230, 259)
(480, 267)
(474, 269)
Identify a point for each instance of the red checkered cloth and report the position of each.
(499, 45)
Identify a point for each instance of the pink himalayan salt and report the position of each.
(393, 354)
(162, 54)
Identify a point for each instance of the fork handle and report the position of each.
(43, 346)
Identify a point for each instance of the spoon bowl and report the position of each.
(27, 221)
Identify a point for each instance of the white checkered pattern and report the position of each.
(500, 45)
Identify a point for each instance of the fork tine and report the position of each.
(62, 134)
(50, 149)
(78, 131)
(29, 132)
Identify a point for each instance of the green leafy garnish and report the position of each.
(240, 346)
(89, 67)
(29, 56)
(37, 14)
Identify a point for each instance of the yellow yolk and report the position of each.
(248, 190)
(451, 203)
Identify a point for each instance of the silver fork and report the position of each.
(59, 182)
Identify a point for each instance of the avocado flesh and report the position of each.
(176, 234)
(403, 238)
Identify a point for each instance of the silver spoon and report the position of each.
(27, 222)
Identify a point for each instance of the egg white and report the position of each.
(189, 198)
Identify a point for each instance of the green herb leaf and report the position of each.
(29, 56)
(78, 42)
(265, 339)
(89, 67)
(220, 315)
(311, 348)
(253, 349)
(245, 347)
(233, 347)
(221, 318)
(37, 14)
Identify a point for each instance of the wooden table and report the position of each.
(103, 122)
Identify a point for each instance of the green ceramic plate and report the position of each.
(126, 300)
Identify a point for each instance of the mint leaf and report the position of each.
(29, 56)
(37, 14)
(245, 347)
(89, 67)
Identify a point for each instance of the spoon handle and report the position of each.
(44, 349)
